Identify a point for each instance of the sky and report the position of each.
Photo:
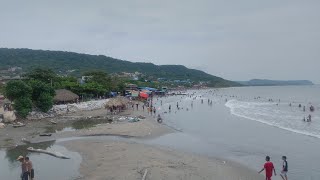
(233, 39)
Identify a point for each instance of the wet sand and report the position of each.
(10, 136)
(117, 159)
(114, 159)
(105, 159)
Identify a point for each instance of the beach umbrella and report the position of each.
(118, 101)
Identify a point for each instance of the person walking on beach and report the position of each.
(284, 168)
(24, 168)
(268, 168)
(30, 168)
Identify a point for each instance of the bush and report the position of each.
(44, 102)
(39, 88)
(23, 106)
(17, 89)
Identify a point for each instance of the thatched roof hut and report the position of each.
(63, 95)
(117, 102)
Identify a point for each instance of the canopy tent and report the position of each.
(134, 93)
(148, 88)
(147, 91)
(113, 94)
(144, 95)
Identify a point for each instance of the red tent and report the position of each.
(144, 95)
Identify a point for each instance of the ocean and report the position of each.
(278, 112)
(247, 123)
(242, 124)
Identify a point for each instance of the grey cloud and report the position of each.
(234, 39)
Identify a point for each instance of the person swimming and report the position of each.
(311, 108)
(159, 119)
(309, 118)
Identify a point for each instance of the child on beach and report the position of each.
(268, 168)
(284, 168)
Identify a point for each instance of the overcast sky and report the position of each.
(234, 39)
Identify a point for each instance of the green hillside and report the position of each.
(62, 62)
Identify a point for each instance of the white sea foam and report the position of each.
(281, 116)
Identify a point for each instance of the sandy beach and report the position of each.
(119, 126)
(117, 159)
(121, 160)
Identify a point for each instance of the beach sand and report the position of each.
(147, 127)
(106, 159)
(117, 159)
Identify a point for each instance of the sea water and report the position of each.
(241, 124)
(45, 166)
(279, 107)
(247, 123)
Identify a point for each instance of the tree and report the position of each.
(65, 82)
(45, 75)
(94, 88)
(99, 77)
(44, 102)
(39, 88)
(1, 89)
(23, 105)
(42, 95)
(17, 89)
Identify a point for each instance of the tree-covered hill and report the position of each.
(76, 63)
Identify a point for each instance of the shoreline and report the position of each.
(131, 157)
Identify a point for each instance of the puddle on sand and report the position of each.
(46, 166)
(76, 125)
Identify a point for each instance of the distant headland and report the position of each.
(267, 82)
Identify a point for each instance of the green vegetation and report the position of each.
(20, 92)
(17, 89)
(23, 106)
(37, 88)
(43, 75)
(38, 85)
(44, 102)
(34, 90)
(68, 63)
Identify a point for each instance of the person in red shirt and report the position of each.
(268, 168)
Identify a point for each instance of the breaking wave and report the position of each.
(277, 115)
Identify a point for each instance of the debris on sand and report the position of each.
(55, 154)
(18, 124)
